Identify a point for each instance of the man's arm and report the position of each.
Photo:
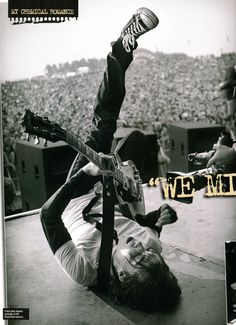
(54, 229)
(224, 158)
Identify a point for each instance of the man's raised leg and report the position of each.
(112, 89)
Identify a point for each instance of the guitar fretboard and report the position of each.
(94, 157)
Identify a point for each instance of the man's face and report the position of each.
(127, 255)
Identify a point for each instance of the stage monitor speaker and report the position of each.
(190, 137)
(41, 170)
(150, 160)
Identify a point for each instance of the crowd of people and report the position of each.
(161, 89)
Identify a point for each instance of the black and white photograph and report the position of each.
(118, 163)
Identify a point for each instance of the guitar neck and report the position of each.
(88, 152)
(93, 156)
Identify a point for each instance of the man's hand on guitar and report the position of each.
(92, 170)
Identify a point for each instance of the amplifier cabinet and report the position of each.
(150, 158)
(41, 170)
(190, 137)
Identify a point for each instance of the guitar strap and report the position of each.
(107, 229)
(87, 216)
(107, 233)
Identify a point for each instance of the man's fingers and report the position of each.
(167, 215)
(102, 154)
(166, 209)
(211, 161)
(164, 206)
(167, 212)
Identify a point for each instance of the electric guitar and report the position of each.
(128, 185)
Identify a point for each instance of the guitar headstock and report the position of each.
(34, 124)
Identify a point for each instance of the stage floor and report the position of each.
(193, 248)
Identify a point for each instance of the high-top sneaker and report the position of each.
(142, 21)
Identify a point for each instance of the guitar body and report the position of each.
(128, 206)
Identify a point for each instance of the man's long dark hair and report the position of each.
(153, 287)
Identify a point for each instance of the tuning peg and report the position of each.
(36, 141)
(28, 137)
(45, 143)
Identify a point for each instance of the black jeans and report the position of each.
(107, 107)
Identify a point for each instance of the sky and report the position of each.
(194, 27)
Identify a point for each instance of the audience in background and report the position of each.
(184, 88)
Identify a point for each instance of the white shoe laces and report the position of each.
(132, 33)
